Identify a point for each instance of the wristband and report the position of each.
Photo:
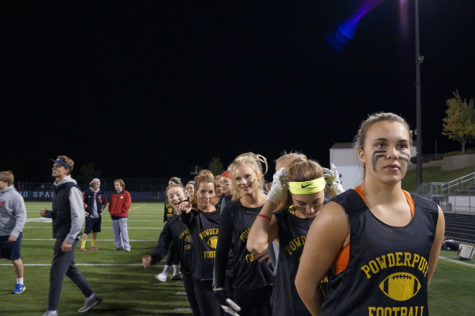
(265, 216)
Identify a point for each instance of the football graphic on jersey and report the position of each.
(213, 242)
(400, 286)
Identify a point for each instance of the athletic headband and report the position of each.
(61, 163)
(226, 174)
(307, 187)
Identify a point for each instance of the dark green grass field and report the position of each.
(118, 277)
(128, 289)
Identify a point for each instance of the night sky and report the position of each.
(150, 88)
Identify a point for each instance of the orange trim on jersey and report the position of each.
(360, 193)
(342, 261)
(410, 201)
(344, 256)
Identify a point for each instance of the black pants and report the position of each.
(63, 264)
(190, 293)
(254, 302)
(207, 302)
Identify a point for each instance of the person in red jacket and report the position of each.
(119, 210)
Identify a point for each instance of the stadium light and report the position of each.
(418, 60)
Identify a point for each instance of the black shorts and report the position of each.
(10, 250)
(92, 224)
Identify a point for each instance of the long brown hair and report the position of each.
(299, 170)
(198, 180)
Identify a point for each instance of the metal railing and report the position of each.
(454, 196)
(447, 188)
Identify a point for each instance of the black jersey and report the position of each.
(248, 273)
(292, 234)
(387, 268)
(204, 228)
(174, 229)
(168, 212)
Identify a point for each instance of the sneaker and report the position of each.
(176, 276)
(19, 288)
(118, 249)
(82, 249)
(94, 248)
(51, 313)
(90, 302)
(127, 249)
(162, 277)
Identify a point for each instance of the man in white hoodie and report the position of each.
(68, 219)
(12, 221)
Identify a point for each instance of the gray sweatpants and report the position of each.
(63, 264)
(121, 236)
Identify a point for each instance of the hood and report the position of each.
(65, 180)
(10, 188)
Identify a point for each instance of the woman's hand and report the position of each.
(183, 207)
(279, 187)
(146, 261)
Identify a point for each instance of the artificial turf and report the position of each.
(128, 289)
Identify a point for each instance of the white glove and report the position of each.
(279, 186)
(332, 177)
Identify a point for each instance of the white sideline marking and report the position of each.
(49, 220)
(39, 220)
(457, 261)
(81, 264)
(129, 228)
(52, 239)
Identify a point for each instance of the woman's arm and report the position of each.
(264, 229)
(436, 245)
(324, 241)
(160, 249)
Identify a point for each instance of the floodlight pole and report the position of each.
(419, 60)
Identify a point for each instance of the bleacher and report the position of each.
(460, 227)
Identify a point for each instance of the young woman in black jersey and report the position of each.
(252, 276)
(172, 257)
(202, 219)
(302, 186)
(380, 243)
(174, 229)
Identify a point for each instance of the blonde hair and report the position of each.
(204, 172)
(174, 185)
(7, 176)
(255, 161)
(286, 158)
(67, 160)
(374, 118)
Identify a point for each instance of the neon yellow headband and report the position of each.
(307, 187)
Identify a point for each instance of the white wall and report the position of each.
(351, 176)
(347, 163)
(462, 203)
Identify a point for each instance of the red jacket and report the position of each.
(119, 204)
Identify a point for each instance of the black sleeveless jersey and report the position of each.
(204, 228)
(248, 273)
(292, 234)
(387, 268)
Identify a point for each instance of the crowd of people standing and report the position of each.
(301, 245)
